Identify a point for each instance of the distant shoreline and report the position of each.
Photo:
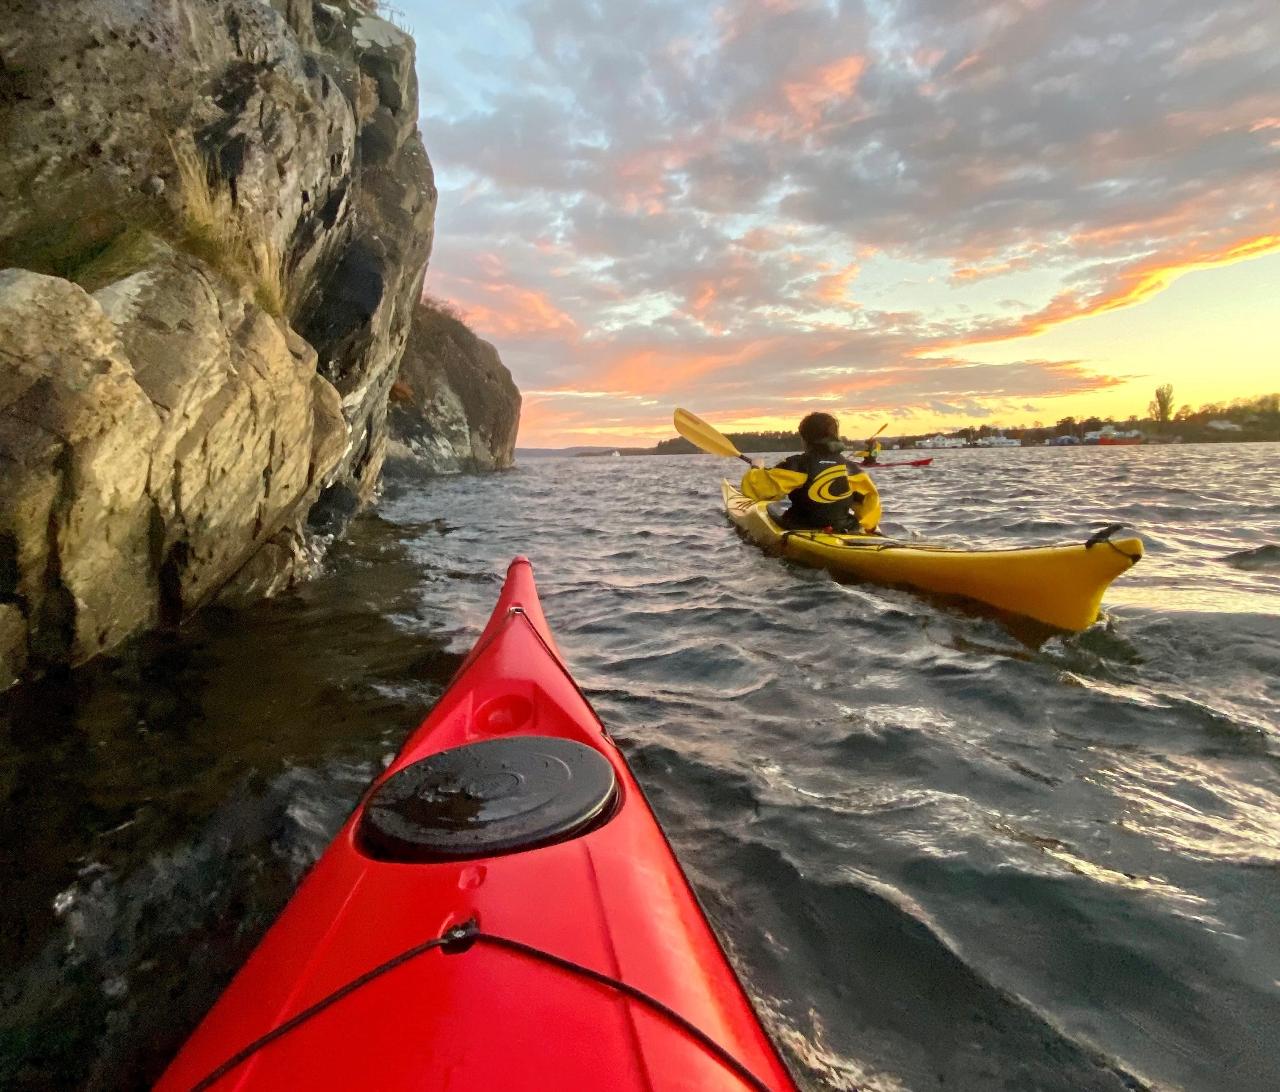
(578, 452)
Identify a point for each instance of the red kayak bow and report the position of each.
(501, 911)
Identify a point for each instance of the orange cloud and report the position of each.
(830, 83)
(983, 267)
(860, 398)
(1250, 113)
(834, 287)
(1141, 283)
(759, 239)
(1129, 287)
(977, 273)
(927, 58)
(520, 311)
(738, 18)
(732, 283)
(642, 176)
(703, 297)
(656, 371)
(502, 309)
(491, 265)
(806, 101)
(660, 370)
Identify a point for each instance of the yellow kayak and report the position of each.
(1059, 585)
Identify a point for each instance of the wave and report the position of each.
(901, 1005)
(1260, 559)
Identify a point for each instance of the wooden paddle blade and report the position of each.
(703, 436)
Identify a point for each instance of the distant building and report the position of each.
(942, 441)
(1109, 434)
(1221, 424)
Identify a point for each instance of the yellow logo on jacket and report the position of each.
(831, 485)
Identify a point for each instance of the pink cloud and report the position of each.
(653, 207)
(834, 287)
(832, 82)
(498, 309)
(760, 239)
(799, 106)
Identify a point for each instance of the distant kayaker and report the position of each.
(870, 455)
(824, 498)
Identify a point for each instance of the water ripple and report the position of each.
(945, 851)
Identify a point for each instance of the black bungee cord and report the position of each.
(457, 940)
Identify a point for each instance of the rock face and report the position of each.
(74, 512)
(152, 437)
(455, 405)
(215, 216)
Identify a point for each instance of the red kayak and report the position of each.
(887, 466)
(502, 911)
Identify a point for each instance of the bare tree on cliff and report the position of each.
(1161, 407)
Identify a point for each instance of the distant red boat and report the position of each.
(1119, 441)
(887, 466)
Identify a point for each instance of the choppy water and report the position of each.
(942, 856)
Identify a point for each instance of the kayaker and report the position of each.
(872, 452)
(823, 500)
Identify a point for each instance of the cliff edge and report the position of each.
(215, 216)
(455, 406)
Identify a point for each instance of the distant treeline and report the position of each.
(1255, 418)
(743, 441)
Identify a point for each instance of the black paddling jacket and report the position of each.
(824, 499)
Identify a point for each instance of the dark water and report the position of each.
(942, 857)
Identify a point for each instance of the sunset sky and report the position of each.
(934, 212)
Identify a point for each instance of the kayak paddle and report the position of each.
(703, 436)
(870, 439)
(706, 438)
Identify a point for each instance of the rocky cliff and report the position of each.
(215, 216)
(454, 406)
